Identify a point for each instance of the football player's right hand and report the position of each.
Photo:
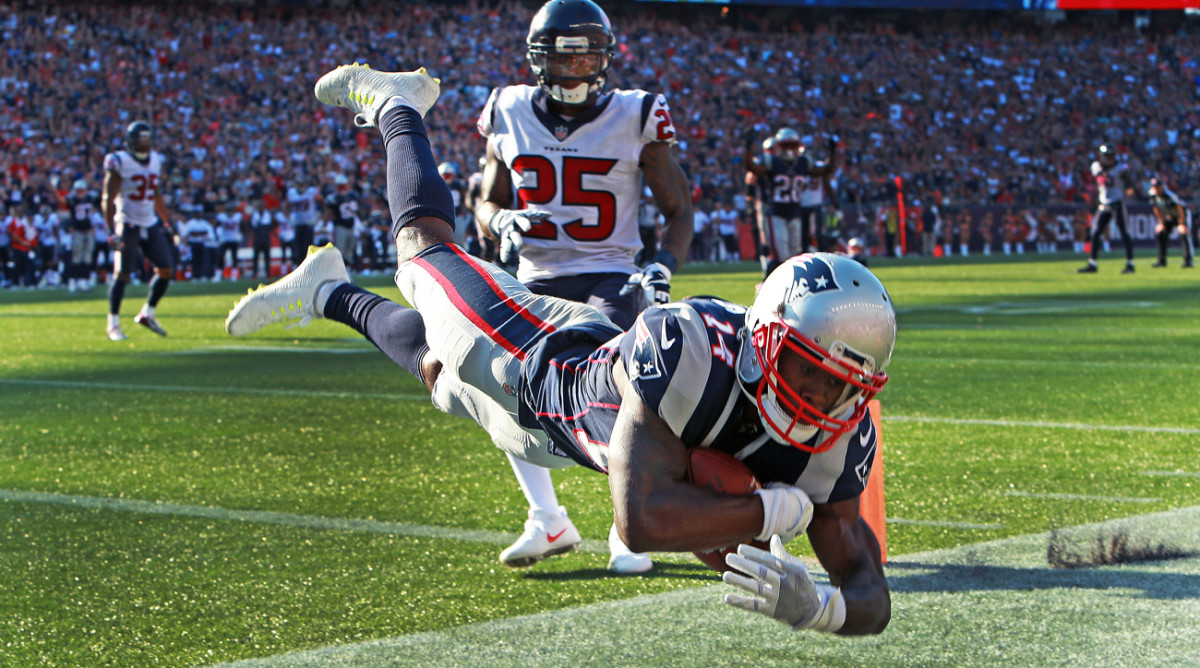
(781, 588)
(750, 138)
(787, 510)
(507, 225)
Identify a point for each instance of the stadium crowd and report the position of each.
(995, 109)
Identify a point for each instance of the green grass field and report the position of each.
(199, 499)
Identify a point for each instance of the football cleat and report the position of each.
(622, 560)
(293, 297)
(1089, 269)
(546, 534)
(1128, 269)
(115, 334)
(364, 90)
(149, 323)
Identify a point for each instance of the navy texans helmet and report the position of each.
(1108, 155)
(571, 46)
(138, 139)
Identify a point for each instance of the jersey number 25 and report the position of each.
(573, 194)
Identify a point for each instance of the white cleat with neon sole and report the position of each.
(293, 297)
(365, 91)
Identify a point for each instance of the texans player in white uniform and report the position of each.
(1113, 181)
(137, 219)
(229, 235)
(786, 174)
(783, 386)
(576, 157)
(303, 216)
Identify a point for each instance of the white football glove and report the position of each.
(783, 589)
(787, 510)
(507, 226)
(654, 280)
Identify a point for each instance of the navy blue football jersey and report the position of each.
(785, 183)
(680, 359)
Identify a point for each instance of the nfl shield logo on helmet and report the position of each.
(561, 132)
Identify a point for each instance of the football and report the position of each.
(724, 474)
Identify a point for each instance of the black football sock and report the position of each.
(116, 293)
(397, 331)
(158, 288)
(414, 187)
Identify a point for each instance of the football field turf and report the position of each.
(292, 495)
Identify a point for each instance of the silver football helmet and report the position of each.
(787, 144)
(832, 314)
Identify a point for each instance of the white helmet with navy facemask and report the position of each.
(836, 316)
(570, 49)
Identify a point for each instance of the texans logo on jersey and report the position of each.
(811, 275)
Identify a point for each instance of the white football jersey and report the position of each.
(813, 194)
(229, 227)
(302, 205)
(198, 231)
(584, 171)
(139, 187)
(1112, 182)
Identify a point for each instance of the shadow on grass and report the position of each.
(954, 578)
(677, 571)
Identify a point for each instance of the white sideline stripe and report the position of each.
(1046, 425)
(423, 397)
(1079, 497)
(285, 519)
(1176, 474)
(1100, 364)
(940, 523)
(317, 522)
(216, 390)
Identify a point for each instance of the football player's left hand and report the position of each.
(654, 280)
(783, 589)
(507, 225)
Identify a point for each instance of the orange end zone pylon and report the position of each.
(871, 503)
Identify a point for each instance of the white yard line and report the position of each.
(138, 387)
(1079, 497)
(1044, 425)
(268, 517)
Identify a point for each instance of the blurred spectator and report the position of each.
(984, 107)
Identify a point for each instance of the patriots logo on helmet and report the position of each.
(811, 275)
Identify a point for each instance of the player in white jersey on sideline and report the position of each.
(303, 215)
(229, 235)
(1113, 182)
(137, 219)
(576, 157)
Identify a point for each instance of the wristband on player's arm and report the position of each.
(666, 259)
